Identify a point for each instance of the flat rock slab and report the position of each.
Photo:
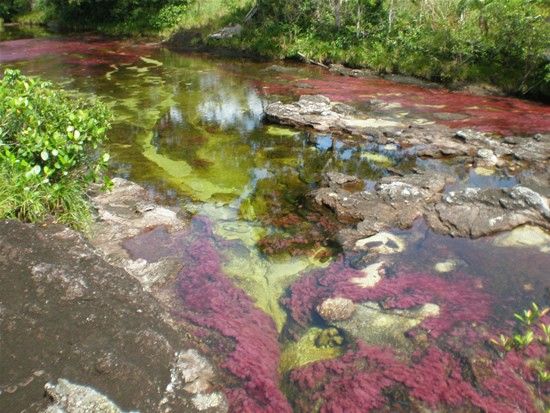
(396, 202)
(65, 313)
(476, 212)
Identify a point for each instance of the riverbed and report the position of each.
(191, 129)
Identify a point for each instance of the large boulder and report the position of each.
(475, 212)
(65, 313)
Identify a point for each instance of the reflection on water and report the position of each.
(190, 129)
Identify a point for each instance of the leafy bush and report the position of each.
(49, 150)
(10, 8)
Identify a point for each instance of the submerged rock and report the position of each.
(381, 243)
(316, 344)
(336, 309)
(73, 398)
(525, 237)
(67, 313)
(373, 275)
(446, 266)
(377, 326)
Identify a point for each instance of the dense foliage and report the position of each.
(124, 16)
(499, 41)
(49, 150)
(11, 8)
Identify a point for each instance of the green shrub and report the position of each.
(49, 150)
(11, 8)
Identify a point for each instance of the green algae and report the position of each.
(151, 61)
(279, 131)
(265, 280)
(378, 159)
(307, 350)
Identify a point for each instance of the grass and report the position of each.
(35, 201)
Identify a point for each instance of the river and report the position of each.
(190, 128)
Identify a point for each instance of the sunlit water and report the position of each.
(190, 129)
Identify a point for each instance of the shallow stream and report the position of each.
(191, 129)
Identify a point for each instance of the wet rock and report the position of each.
(487, 156)
(525, 237)
(475, 212)
(377, 326)
(395, 202)
(320, 113)
(73, 398)
(373, 275)
(381, 243)
(67, 313)
(126, 211)
(336, 309)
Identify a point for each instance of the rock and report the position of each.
(227, 32)
(337, 179)
(487, 156)
(320, 113)
(67, 313)
(475, 212)
(373, 275)
(395, 202)
(525, 237)
(72, 398)
(192, 373)
(377, 326)
(346, 71)
(335, 309)
(446, 266)
(381, 243)
(126, 211)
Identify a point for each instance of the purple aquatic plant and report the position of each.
(460, 299)
(360, 381)
(212, 300)
(209, 299)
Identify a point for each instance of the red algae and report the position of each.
(209, 299)
(502, 115)
(362, 379)
(460, 299)
(88, 50)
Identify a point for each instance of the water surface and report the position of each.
(190, 128)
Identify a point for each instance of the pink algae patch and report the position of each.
(361, 380)
(210, 300)
(86, 51)
(460, 299)
(502, 115)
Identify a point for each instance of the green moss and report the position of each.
(378, 159)
(307, 350)
(266, 280)
(279, 131)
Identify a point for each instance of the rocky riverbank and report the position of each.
(86, 329)
(398, 200)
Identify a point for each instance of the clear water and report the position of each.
(190, 128)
